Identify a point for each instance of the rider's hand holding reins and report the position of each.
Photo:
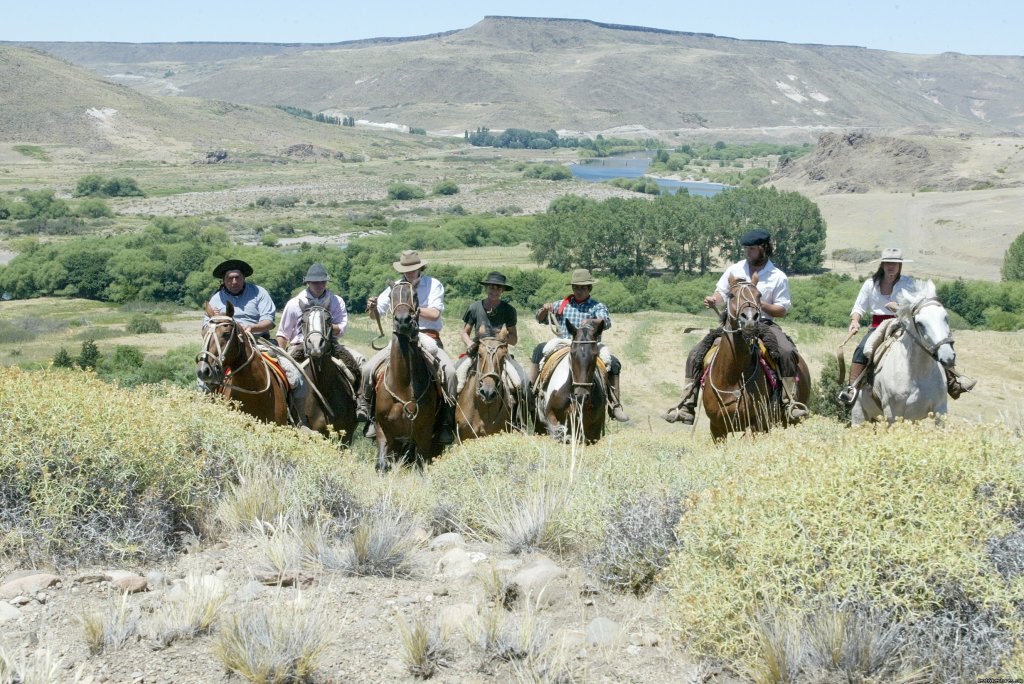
(371, 308)
(543, 313)
(854, 326)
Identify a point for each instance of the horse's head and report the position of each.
(223, 342)
(924, 317)
(405, 309)
(490, 362)
(583, 356)
(317, 331)
(743, 305)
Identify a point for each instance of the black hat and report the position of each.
(495, 278)
(232, 265)
(316, 274)
(758, 236)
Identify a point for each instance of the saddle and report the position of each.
(549, 363)
(436, 375)
(275, 366)
(767, 361)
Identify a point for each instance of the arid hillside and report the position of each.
(581, 75)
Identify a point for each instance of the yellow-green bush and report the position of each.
(895, 518)
(93, 471)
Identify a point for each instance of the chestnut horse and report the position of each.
(407, 403)
(331, 403)
(486, 405)
(738, 393)
(574, 398)
(231, 365)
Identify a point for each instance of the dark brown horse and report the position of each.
(231, 365)
(331, 401)
(573, 398)
(739, 394)
(486, 404)
(407, 401)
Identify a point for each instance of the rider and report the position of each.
(876, 296)
(430, 295)
(578, 307)
(491, 313)
(289, 332)
(255, 312)
(773, 285)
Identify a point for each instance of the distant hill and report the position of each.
(580, 75)
(47, 101)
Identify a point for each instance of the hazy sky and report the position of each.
(917, 26)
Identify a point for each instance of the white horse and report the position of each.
(911, 382)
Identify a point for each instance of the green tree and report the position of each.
(1013, 260)
(62, 359)
(90, 356)
(446, 187)
(89, 186)
(404, 191)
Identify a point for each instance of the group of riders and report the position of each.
(255, 312)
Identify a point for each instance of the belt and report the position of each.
(430, 332)
(876, 319)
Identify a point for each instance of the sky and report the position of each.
(985, 27)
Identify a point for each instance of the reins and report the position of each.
(908, 323)
(217, 361)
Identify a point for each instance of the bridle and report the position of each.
(576, 384)
(743, 296)
(909, 323)
(316, 323)
(492, 357)
(217, 362)
(405, 304)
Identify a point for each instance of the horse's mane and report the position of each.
(909, 298)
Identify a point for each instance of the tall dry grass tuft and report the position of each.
(382, 543)
(505, 636)
(523, 523)
(273, 644)
(111, 629)
(263, 492)
(40, 666)
(423, 646)
(190, 614)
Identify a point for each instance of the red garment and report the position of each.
(876, 319)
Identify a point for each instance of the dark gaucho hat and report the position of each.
(758, 236)
(495, 278)
(232, 265)
(316, 274)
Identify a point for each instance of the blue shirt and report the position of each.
(577, 312)
(252, 305)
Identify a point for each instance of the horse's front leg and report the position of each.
(383, 464)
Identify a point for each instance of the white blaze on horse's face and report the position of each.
(315, 334)
(933, 325)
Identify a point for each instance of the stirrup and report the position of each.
(848, 395)
(796, 411)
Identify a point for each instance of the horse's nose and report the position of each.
(946, 356)
(488, 394)
(203, 371)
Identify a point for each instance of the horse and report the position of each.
(232, 365)
(407, 402)
(486, 405)
(574, 397)
(331, 403)
(909, 380)
(739, 394)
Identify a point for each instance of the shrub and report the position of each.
(189, 614)
(94, 207)
(404, 191)
(554, 172)
(446, 187)
(140, 324)
(90, 355)
(62, 359)
(825, 393)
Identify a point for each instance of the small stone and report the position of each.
(20, 601)
(446, 541)
(440, 591)
(42, 597)
(250, 591)
(115, 575)
(219, 546)
(455, 563)
(156, 579)
(131, 585)
(602, 631)
(8, 613)
(633, 650)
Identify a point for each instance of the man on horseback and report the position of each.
(490, 314)
(430, 295)
(773, 285)
(255, 312)
(576, 308)
(289, 333)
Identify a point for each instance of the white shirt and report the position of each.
(871, 301)
(772, 283)
(429, 293)
(291, 319)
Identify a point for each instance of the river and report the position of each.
(634, 166)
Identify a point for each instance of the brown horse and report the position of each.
(231, 365)
(573, 398)
(738, 394)
(407, 403)
(331, 402)
(486, 405)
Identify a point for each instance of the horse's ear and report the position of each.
(570, 327)
(599, 326)
(929, 289)
(732, 280)
(229, 310)
(754, 278)
(503, 334)
(210, 311)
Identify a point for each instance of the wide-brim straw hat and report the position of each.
(893, 255)
(232, 265)
(316, 274)
(409, 261)
(496, 278)
(581, 276)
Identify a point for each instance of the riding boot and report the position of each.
(365, 401)
(446, 435)
(794, 409)
(615, 400)
(957, 384)
(686, 411)
(849, 393)
(297, 407)
(532, 372)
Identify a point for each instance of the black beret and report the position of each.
(232, 265)
(758, 236)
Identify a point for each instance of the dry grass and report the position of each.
(190, 614)
(111, 629)
(263, 492)
(422, 646)
(39, 666)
